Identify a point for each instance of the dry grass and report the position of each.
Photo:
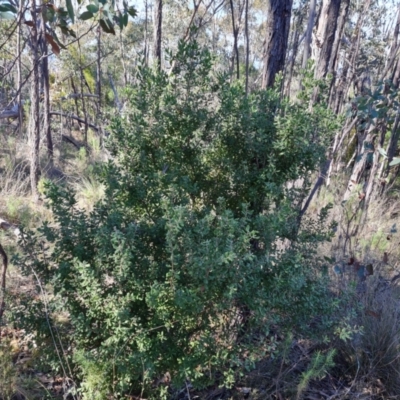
(372, 356)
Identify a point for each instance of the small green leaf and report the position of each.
(132, 11)
(57, 40)
(4, 7)
(107, 27)
(86, 15)
(70, 10)
(93, 8)
(382, 152)
(119, 20)
(395, 161)
(49, 14)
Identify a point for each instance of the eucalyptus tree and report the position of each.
(158, 13)
(276, 39)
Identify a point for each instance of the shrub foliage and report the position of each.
(194, 254)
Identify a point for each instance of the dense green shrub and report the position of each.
(194, 253)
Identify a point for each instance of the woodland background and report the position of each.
(149, 149)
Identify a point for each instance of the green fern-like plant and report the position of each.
(319, 365)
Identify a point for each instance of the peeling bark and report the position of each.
(34, 122)
(157, 32)
(276, 40)
(325, 36)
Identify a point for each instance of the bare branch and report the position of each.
(71, 116)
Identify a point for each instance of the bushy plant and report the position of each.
(8, 374)
(193, 254)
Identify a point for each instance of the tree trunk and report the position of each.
(336, 48)
(34, 124)
(157, 32)
(84, 111)
(347, 75)
(235, 30)
(394, 48)
(98, 86)
(146, 44)
(367, 148)
(46, 88)
(295, 46)
(246, 32)
(308, 37)
(75, 97)
(276, 40)
(19, 70)
(325, 36)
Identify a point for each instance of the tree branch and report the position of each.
(71, 116)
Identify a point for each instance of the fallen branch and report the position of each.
(71, 116)
(74, 142)
(78, 95)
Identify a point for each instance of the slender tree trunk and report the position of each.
(394, 49)
(157, 32)
(308, 38)
(98, 86)
(75, 97)
(276, 40)
(347, 75)
(84, 111)
(122, 52)
(333, 62)
(235, 30)
(390, 150)
(325, 37)
(396, 74)
(34, 122)
(339, 35)
(98, 69)
(46, 88)
(146, 44)
(246, 32)
(291, 62)
(19, 70)
(368, 147)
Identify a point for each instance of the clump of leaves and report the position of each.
(193, 253)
